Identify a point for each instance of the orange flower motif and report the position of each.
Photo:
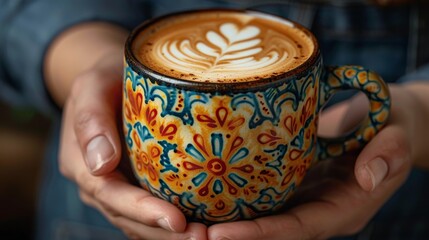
(147, 163)
(217, 168)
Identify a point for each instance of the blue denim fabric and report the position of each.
(377, 38)
(29, 26)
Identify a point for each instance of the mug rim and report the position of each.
(255, 85)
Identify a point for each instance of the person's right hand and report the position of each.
(90, 135)
(338, 197)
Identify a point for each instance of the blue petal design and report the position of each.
(218, 186)
(194, 153)
(197, 180)
(242, 153)
(217, 144)
(237, 179)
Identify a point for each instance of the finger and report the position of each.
(70, 157)
(137, 230)
(273, 227)
(387, 157)
(118, 197)
(96, 99)
(357, 109)
(323, 174)
(329, 120)
(343, 117)
(112, 193)
(339, 212)
(279, 227)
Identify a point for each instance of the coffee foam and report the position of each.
(222, 46)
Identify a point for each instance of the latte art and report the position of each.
(229, 47)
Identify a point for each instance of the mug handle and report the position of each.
(354, 77)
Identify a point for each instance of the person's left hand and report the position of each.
(339, 196)
(90, 134)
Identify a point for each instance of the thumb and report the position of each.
(96, 100)
(385, 160)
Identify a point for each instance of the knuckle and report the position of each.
(144, 200)
(78, 86)
(398, 143)
(82, 80)
(397, 151)
(84, 197)
(115, 220)
(87, 114)
(85, 182)
(99, 194)
(98, 190)
(84, 120)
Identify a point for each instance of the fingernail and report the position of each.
(377, 171)
(165, 223)
(98, 152)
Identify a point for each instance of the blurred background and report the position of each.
(23, 136)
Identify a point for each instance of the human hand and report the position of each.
(90, 135)
(338, 197)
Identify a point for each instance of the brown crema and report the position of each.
(222, 46)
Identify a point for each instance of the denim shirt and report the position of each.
(387, 40)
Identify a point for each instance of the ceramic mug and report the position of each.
(229, 151)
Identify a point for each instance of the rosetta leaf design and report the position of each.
(230, 48)
(231, 43)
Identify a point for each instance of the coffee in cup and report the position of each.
(225, 47)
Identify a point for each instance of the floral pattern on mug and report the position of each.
(221, 157)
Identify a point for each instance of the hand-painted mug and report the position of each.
(220, 110)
